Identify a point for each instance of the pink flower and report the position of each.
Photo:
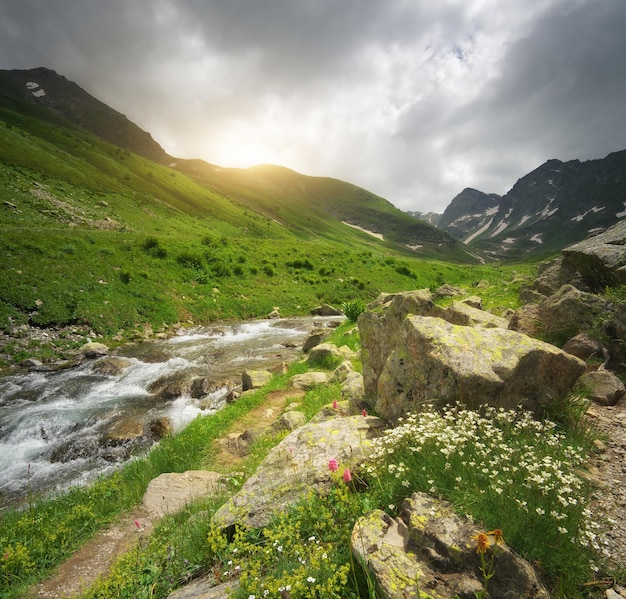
(333, 465)
(335, 404)
(137, 524)
(347, 475)
(364, 412)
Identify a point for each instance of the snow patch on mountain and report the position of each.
(595, 210)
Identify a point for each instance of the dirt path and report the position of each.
(96, 557)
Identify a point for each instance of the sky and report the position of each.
(413, 100)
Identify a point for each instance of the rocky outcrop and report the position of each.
(600, 260)
(299, 463)
(429, 551)
(435, 360)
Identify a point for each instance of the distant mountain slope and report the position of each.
(557, 204)
(44, 93)
(309, 206)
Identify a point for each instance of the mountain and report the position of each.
(302, 203)
(100, 229)
(45, 94)
(468, 213)
(432, 218)
(557, 204)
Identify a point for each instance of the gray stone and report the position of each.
(353, 391)
(314, 338)
(584, 347)
(171, 492)
(342, 371)
(474, 301)
(604, 387)
(171, 385)
(324, 352)
(255, 379)
(326, 310)
(429, 548)
(299, 463)
(600, 260)
(111, 366)
(570, 311)
(308, 380)
(205, 588)
(465, 314)
(30, 363)
(435, 360)
(292, 420)
(446, 290)
(94, 350)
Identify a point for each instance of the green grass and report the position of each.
(539, 504)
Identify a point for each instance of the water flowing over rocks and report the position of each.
(429, 551)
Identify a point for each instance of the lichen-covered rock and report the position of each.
(379, 326)
(468, 315)
(429, 552)
(342, 371)
(299, 463)
(435, 360)
(94, 350)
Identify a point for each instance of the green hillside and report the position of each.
(95, 236)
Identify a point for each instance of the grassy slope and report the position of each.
(94, 235)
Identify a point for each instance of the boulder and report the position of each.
(604, 387)
(379, 327)
(342, 371)
(430, 551)
(570, 311)
(446, 290)
(353, 392)
(31, 363)
(600, 260)
(274, 314)
(551, 276)
(292, 420)
(171, 492)
(94, 350)
(315, 337)
(324, 353)
(435, 360)
(255, 379)
(308, 380)
(299, 463)
(526, 319)
(201, 386)
(111, 366)
(584, 347)
(205, 588)
(474, 301)
(171, 386)
(326, 310)
(467, 315)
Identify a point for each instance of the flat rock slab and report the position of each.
(171, 492)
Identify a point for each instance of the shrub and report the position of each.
(353, 308)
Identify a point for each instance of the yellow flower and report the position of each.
(497, 535)
(482, 542)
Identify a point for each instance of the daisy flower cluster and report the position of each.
(498, 466)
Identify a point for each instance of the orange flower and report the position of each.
(497, 535)
(482, 542)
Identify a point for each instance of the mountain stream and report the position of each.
(55, 426)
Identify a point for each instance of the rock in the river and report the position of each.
(94, 350)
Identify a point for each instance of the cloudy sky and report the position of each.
(411, 99)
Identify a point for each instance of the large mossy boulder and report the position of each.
(430, 551)
(299, 463)
(432, 359)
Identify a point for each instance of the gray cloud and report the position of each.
(413, 100)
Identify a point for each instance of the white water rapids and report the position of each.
(52, 424)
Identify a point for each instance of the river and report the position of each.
(53, 425)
